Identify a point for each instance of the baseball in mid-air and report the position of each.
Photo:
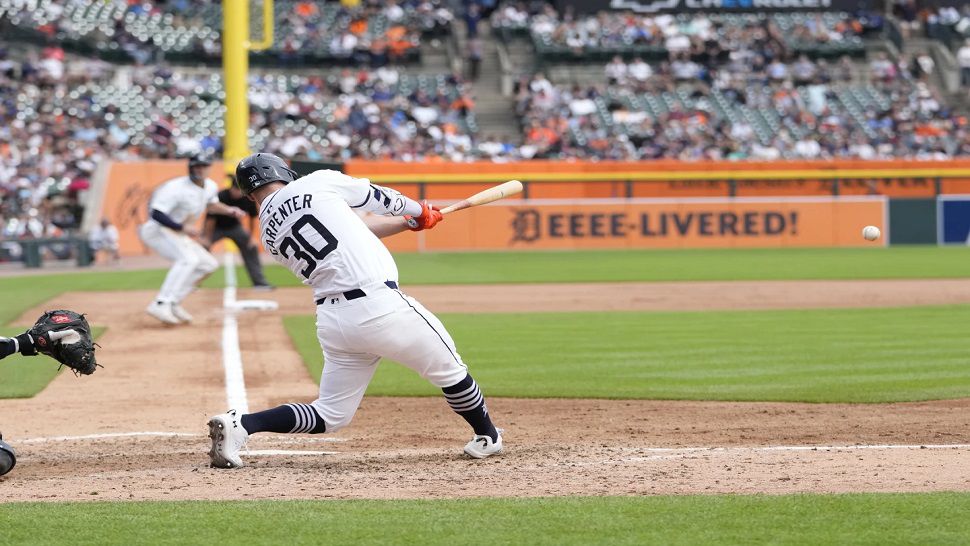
(871, 233)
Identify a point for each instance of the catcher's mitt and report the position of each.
(65, 336)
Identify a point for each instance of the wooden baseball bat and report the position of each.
(483, 197)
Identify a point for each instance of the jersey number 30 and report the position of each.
(302, 249)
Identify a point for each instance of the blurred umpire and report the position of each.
(219, 226)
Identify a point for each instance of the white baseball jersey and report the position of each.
(310, 227)
(182, 200)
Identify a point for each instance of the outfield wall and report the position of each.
(694, 212)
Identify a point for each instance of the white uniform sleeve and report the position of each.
(165, 199)
(361, 195)
(211, 192)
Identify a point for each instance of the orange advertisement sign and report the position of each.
(656, 223)
(571, 223)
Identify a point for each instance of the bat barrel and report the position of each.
(484, 197)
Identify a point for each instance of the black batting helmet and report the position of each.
(261, 169)
(200, 160)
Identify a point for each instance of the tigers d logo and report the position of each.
(525, 225)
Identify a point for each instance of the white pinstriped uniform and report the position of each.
(310, 227)
(183, 202)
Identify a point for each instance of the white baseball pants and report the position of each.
(355, 334)
(191, 262)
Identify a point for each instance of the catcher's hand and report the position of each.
(65, 336)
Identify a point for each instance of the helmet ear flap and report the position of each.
(260, 169)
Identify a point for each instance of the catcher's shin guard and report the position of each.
(8, 459)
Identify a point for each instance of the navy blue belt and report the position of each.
(357, 293)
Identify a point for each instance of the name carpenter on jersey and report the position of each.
(279, 215)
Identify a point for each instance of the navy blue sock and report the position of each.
(466, 399)
(288, 418)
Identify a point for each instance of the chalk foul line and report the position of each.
(231, 354)
(655, 452)
(148, 434)
(285, 452)
(108, 436)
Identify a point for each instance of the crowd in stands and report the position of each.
(940, 20)
(744, 108)
(59, 119)
(371, 33)
(372, 114)
(49, 149)
(360, 32)
(946, 23)
(695, 35)
(747, 90)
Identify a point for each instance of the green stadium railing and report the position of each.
(33, 257)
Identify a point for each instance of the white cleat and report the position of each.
(162, 311)
(181, 314)
(483, 446)
(228, 437)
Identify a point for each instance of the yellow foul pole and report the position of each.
(235, 68)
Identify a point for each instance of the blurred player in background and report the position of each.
(104, 237)
(221, 226)
(172, 210)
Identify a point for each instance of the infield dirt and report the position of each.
(168, 380)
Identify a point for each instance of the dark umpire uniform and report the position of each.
(220, 226)
(24, 345)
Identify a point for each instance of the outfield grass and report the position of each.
(18, 293)
(676, 265)
(825, 355)
(21, 293)
(25, 376)
(22, 376)
(794, 519)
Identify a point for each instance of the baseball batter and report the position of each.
(169, 231)
(310, 226)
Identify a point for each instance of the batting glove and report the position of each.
(429, 218)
